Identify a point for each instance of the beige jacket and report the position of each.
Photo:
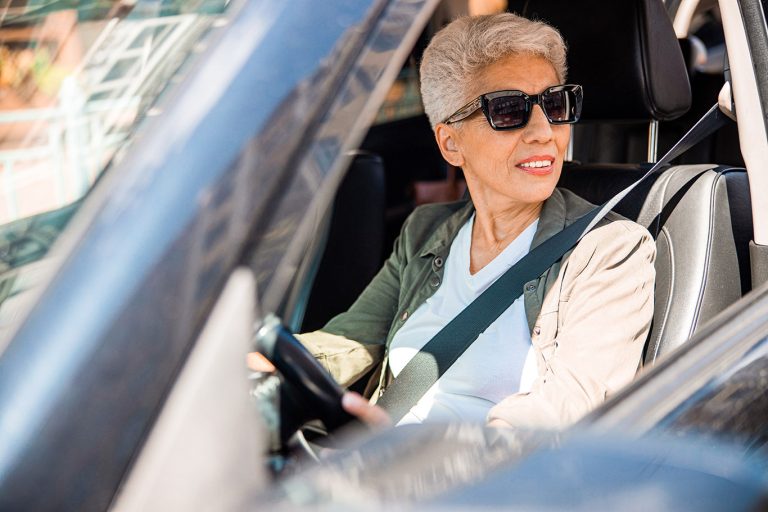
(589, 314)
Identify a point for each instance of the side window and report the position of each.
(403, 99)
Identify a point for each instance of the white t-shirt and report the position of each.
(499, 363)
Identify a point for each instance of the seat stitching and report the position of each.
(667, 309)
(707, 255)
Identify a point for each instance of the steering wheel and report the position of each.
(308, 392)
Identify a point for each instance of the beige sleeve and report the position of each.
(605, 308)
(345, 359)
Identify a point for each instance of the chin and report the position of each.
(540, 192)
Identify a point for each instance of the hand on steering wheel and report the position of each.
(308, 391)
(372, 415)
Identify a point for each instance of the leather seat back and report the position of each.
(700, 216)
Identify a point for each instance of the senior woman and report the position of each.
(494, 90)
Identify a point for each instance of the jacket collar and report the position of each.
(552, 220)
(443, 236)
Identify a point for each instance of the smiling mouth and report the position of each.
(538, 166)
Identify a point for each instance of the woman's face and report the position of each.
(497, 164)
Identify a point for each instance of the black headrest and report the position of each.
(687, 49)
(625, 54)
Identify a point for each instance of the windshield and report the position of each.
(76, 79)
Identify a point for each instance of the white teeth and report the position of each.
(537, 163)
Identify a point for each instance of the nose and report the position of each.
(538, 128)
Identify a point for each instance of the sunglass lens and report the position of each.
(508, 111)
(556, 106)
(562, 105)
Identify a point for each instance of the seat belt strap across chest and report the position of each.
(439, 353)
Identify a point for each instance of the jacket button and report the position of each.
(530, 287)
(438, 262)
(434, 282)
(404, 316)
(537, 330)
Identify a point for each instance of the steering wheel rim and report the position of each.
(307, 391)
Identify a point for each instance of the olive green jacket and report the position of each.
(589, 314)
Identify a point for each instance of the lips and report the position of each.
(538, 165)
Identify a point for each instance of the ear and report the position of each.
(448, 139)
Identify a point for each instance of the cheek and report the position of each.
(495, 149)
(562, 138)
(505, 146)
(495, 152)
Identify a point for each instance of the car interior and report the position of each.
(189, 430)
(642, 93)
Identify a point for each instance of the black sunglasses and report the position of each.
(507, 110)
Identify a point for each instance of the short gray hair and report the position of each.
(467, 45)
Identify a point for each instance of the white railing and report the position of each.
(65, 147)
(69, 147)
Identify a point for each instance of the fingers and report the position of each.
(371, 415)
(498, 423)
(258, 363)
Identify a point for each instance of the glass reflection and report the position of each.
(76, 80)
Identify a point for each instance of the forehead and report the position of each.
(525, 72)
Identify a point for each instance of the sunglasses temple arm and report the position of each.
(465, 111)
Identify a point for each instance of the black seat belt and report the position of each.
(432, 361)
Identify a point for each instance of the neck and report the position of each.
(499, 226)
(495, 228)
